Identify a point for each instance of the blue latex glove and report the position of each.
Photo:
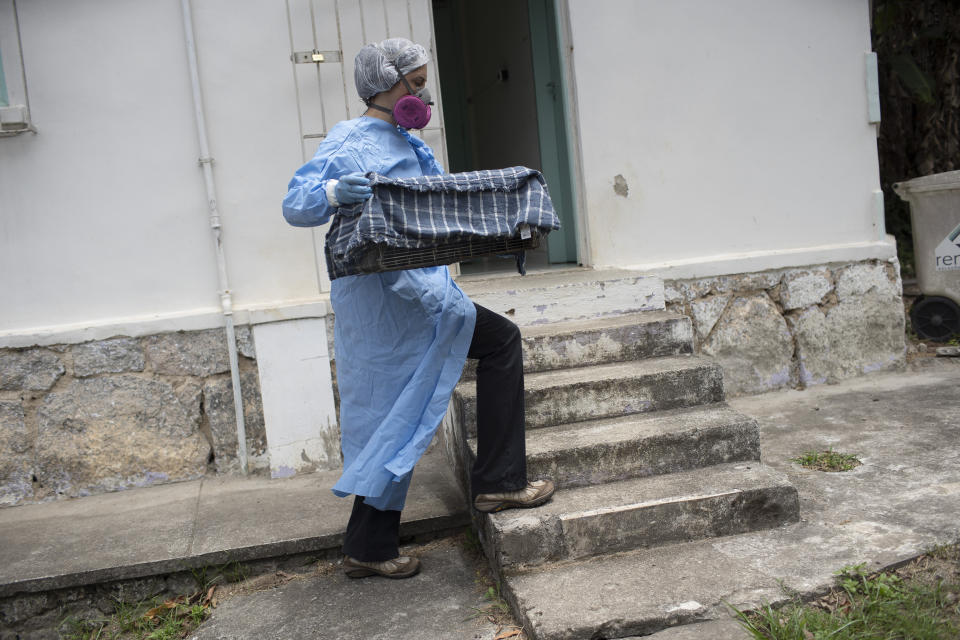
(352, 188)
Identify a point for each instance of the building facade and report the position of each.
(728, 148)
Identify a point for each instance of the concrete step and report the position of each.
(636, 593)
(598, 451)
(567, 294)
(637, 513)
(581, 343)
(602, 391)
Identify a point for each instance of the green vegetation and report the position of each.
(495, 598)
(828, 460)
(497, 610)
(207, 576)
(916, 602)
(158, 619)
(917, 51)
(471, 542)
(153, 620)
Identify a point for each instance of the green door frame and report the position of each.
(4, 100)
(551, 94)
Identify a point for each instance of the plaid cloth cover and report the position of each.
(427, 211)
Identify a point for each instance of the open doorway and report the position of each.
(501, 84)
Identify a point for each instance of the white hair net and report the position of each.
(375, 67)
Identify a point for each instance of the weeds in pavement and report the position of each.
(918, 601)
(497, 610)
(228, 573)
(471, 542)
(74, 629)
(159, 619)
(828, 460)
(494, 597)
(152, 620)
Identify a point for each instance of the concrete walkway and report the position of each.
(213, 521)
(904, 499)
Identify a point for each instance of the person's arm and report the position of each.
(311, 195)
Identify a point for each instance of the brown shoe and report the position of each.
(399, 567)
(534, 495)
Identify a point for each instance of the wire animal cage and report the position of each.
(426, 221)
(380, 257)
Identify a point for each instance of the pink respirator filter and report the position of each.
(411, 112)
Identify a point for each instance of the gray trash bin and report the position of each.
(935, 213)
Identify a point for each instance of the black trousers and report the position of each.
(501, 465)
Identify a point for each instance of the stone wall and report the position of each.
(796, 327)
(127, 412)
(124, 412)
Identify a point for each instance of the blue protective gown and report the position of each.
(401, 337)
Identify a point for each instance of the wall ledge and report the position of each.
(143, 325)
(754, 261)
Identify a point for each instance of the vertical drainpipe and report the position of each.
(226, 299)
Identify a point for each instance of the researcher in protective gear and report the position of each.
(401, 337)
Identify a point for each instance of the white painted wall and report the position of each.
(103, 210)
(740, 128)
(104, 214)
(245, 70)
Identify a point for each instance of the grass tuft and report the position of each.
(154, 619)
(916, 602)
(496, 611)
(471, 542)
(828, 460)
(228, 573)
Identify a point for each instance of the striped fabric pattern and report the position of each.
(427, 211)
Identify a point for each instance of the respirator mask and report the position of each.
(412, 111)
